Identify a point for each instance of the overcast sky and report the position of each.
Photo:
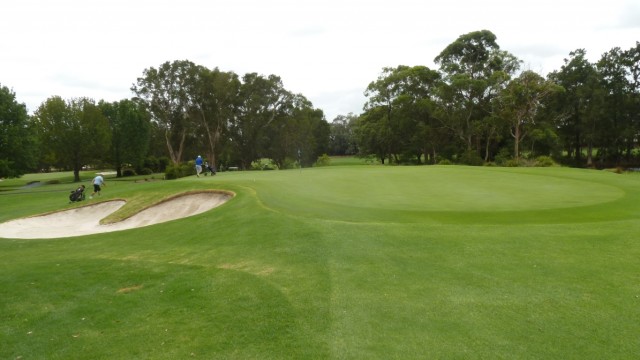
(326, 50)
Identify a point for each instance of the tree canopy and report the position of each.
(477, 107)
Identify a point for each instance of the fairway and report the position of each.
(337, 262)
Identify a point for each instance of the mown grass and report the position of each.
(351, 261)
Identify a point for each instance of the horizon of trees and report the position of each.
(478, 107)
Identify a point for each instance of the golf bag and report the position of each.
(209, 169)
(77, 194)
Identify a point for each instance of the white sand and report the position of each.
(86, 220)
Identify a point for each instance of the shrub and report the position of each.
(178, 171)
(512, 163)
(472, 158)
(290, 163)
(323, 160)
(145, 171)
(264, 164)
(128, 172)
(503, 156)
(445, 162)
(544, 161)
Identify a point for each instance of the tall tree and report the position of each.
(581, 102)
(18, 146)
(474, 71)
(262, 101)
(372, 133)
(301, 134)
(341, 139)
(404, 97)
(169, 93)
(130, 132)
(74, 133)
(520, 103)
(216, 100)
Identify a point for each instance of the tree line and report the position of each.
(479, 107)
(180, 109)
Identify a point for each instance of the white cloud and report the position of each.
(328, 50)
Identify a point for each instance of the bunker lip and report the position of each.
(85, 220)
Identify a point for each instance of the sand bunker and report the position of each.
(86, 220)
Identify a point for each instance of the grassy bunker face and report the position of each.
(86, 220)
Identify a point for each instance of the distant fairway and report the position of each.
(339, 262)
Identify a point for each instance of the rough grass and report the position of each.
(351, 261)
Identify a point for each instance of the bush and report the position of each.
(264, 164)
(512, 163)
(174, 171)
(503, 156)
(290, 163)
(156, 164)
(145, 171)
(445, 162)
(128, 172)
(472, 158)
(323, 160)
(544, 161)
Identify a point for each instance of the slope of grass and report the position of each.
(363, 262)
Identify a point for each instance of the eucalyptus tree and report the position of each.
(341, 138)
(215, 102)
(474, 71)
(262, 100)
(581, 103)
(73, 133)
(300, 134)
(130, 132)
(18, 144)
(631, 60)
(618, 133)
(169, 94)
(520, 104)
(372, 133)
(403, 96)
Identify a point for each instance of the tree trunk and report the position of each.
(516, 143)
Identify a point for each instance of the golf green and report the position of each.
(437, 193)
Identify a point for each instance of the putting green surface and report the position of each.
(437, 193)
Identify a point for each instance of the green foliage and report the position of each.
(514, 163)
(445, 162)
(290, 163)
(470, 157)
(18, 144)
(128, 172)
(72, 133)
(323, 160)
(176, 171)
(503, 156)
(130, 129)
(544, 161)
(264, 164)
(145, 171)
(157, 164)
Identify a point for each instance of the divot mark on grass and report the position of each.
(129, 289)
